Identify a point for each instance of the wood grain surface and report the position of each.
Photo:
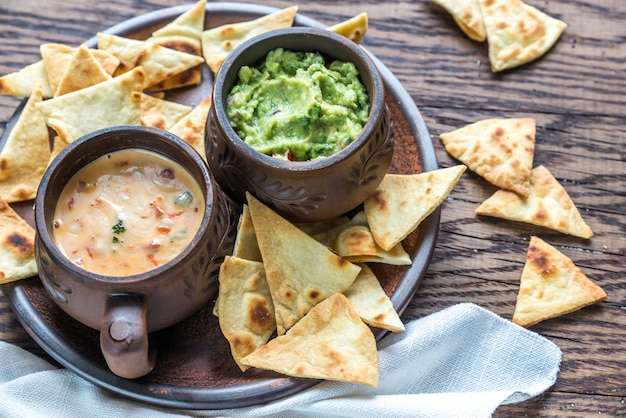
(576, 93)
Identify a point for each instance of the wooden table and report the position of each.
(577, 93)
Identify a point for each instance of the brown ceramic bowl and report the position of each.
(125, 309)
(300, 191)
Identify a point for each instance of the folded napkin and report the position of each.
(463, 361)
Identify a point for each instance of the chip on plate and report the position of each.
(26, 153)
(161, 113)
(353, 28)
(300, 271)
(551, 285)
(246, 313)
(402, 201)
(330, 342)
(17, 246)
(82, 71)
(547, 205)
(517, 33)
(499, 150)
(191, 127)
(23, 82)
(467, 15)
(246, 245)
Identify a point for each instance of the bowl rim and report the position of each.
(75, 148)
(377, 97)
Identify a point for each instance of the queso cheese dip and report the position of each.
(127, 212)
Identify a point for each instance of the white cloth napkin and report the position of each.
(463, 361)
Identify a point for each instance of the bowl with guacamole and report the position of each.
(299, 120)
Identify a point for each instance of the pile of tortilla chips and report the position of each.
(310, 284)
(517, 33)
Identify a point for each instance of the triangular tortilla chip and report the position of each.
(57, 57)
(300, 271)
(17, 246)
(218, 42)
(58, 145)
(160, 113)
(191, 127)
(246, 312)
(402, 202)
(517, 33)
(246, 245)
(353, 28)
(547, 205)
(467, 15)
(190, 24)
(26, 153)
(551, 286)
(113, 102)
(158, 62)
(23, 82)
(330, 342)
(82, 71)
(499, 150)
(370, 301)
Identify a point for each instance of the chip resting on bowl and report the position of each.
(353, 28)
(551, 285)
(330, 342)
(17, 246)
(547, 205)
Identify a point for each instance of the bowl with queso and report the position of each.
(299, 121)
(131, 231)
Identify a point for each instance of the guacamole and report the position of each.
(293, 106)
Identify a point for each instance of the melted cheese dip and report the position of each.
(127, 212)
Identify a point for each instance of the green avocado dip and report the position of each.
(295, 107)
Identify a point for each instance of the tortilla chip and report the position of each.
(113, 102)
(467, 15)
(353, 28)
(370, 301)
(218, 42)
(402, 202)
(323, 225)
(517, 33)
(246, 245)
(191, 127)
(17, 246)
(57, 146)
(499, 150)
(26, 153)
(300, 271)
(547, 205)
(353, 241)
(57, 57)
(551, 286)
(330, 342)
(23, 83)
(160, 113)
(82, 71)
(158, 62)
(246, 313)
(190, 24)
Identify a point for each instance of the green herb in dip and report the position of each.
(294, 106)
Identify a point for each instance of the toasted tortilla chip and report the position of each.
(218, 42)
(23, 83)
(190, 24)
(26, 153)
(370, 301)
(158, 62)
(499, 150)
(82, 71)
(246, 245)
(551, 285)
(318, 227)
(57, 57)
(300, 271)
(547, 205)
(246, 312)
(353, 28)
(113, 102)
(160, 113)
(58, 145)
(517, 33)
(17, 246)
(191, 127)
(467, 15)
(402, 202)
(353, 241)
(330, 342)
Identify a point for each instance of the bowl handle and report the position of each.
(124, 336)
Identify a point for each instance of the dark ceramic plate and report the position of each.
(194, 368)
